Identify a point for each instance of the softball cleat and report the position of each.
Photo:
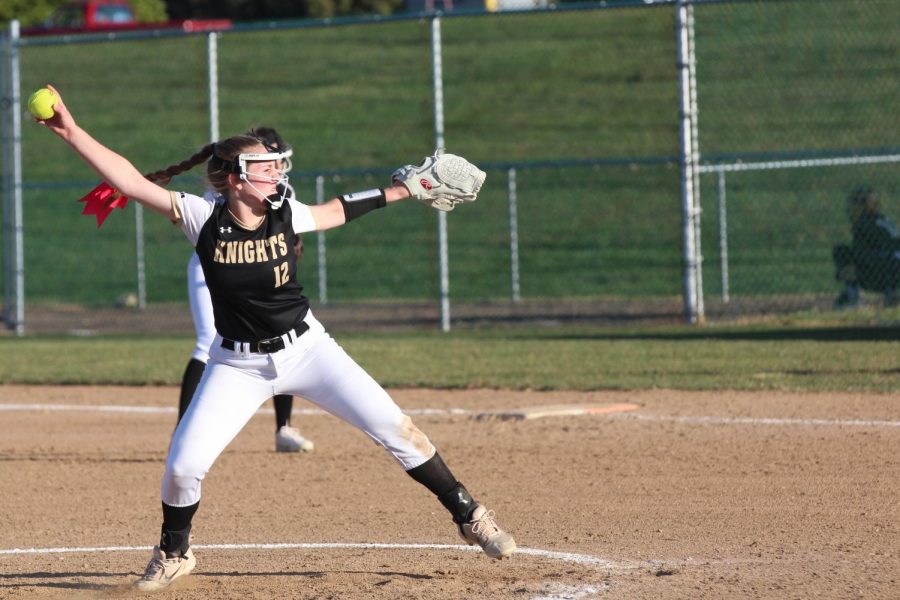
(162, 571)
(288, 439)
(483, 530)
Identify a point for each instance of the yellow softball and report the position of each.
(40, 104)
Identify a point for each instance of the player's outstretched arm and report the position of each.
(338, 211)
(112, 167)
(441, 181)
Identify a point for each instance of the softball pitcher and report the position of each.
(268, 341)
(287, 438)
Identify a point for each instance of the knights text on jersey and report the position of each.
(251, 275)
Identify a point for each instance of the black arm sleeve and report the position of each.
(359, 203)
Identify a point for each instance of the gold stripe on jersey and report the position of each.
(246, 226)
(173, 196)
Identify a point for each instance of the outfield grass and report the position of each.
(772, 77)
(770, 357)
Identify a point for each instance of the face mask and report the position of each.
(277, 199)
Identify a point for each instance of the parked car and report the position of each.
(96, 16)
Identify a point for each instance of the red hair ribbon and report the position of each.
(101, 200)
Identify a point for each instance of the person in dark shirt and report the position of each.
(872, 260)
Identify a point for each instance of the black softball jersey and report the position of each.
(251, 273)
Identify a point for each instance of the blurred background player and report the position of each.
(872, 260)
(287, 438)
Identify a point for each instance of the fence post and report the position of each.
(139, 250)
(513, 235)
(212, 68)
(320, 245)
(687, 165)
(5, 111)
(695, 153)
(438, 83)
(723, 236)
(15, 185)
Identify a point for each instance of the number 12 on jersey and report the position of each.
(281, 274)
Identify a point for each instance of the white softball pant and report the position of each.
(235, 384)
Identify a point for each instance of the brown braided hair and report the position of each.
(218, 156)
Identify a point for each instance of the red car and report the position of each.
(96, 16)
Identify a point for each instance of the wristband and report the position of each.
(359, 203)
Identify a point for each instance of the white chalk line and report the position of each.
(701, 420)
(552, 590)
(172, 409)
(570, 557)
(438, 412)
(577, 558)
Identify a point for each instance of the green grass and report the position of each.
(772, 77)
(795, 75)
(823, 357)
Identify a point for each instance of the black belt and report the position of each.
(266, 346)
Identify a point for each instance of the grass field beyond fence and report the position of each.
(548, 88)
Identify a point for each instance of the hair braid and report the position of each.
(169, 172)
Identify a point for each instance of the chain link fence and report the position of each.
(574, 114)
(795, 115)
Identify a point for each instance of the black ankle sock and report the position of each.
(174, 539)
(283, 405)
(460, 504)
(189, 381)
(175, 542)
(436, 476)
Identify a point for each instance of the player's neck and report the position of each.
(245, 216)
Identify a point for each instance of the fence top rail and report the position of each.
(381, 170)
(724, 158)
(749, 162)
(284, 24)
(800, 163)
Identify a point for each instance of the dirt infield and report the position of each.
(693, 495)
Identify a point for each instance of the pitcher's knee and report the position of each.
(409, 446)
(181, 489)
